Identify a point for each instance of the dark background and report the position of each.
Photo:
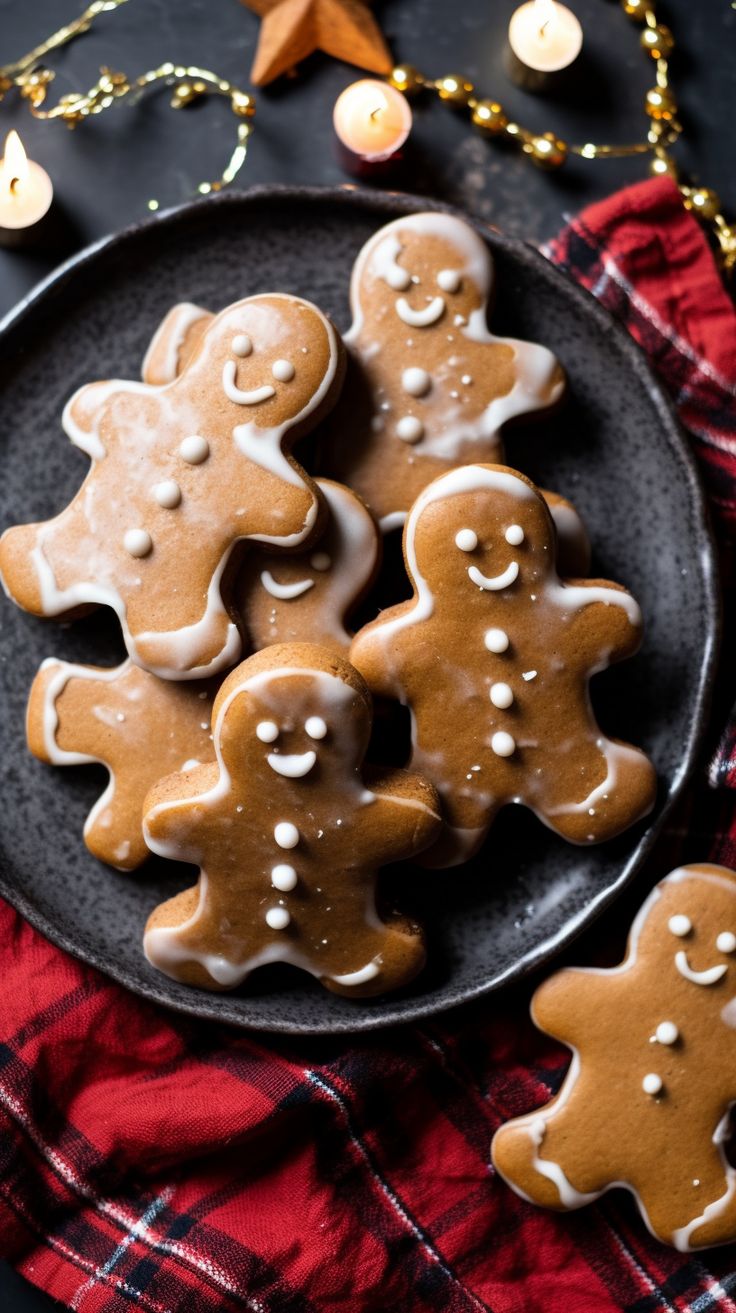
(105, 171)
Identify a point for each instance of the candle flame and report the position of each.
(14, 164)
(545, 15)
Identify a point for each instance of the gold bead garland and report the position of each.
(548, 151)
(32, 79)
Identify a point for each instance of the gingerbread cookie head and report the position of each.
(136, 725)
(646, 1101)
(308, 596)
(493, 656)
(429, 387)
(180, 475)
(288, 835)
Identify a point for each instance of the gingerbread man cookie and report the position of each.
(180, 475)
(174, 343)
(308, 597)
(429, 387)
(645, 1104)
(136, 725)
(288, 835)
(493, 655)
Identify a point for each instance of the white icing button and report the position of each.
(286, 835)
(277, 918)
(167, 494)
(667, 1032)
(410, 429)
(283, 371)
(726, 942)
(448, 280)
(397, 278)
(138, 542)
(267, 731)
(466, 540)
(283, 877)
(320, 561)
(501, 696)
(652, 1083)
(194, 449)
(416, 381)
(680, 925)
(514, 535)
(503, 744)
(241, 345)
(496, 640)
(316, 727)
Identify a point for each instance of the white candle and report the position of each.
(372, 121)
(26, 193)
(545, 37)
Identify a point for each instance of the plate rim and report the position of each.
(214, 1007)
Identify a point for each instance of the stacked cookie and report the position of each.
(198, 527)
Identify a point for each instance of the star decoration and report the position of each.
(293, 29)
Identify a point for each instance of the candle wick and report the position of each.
(375, 112)
(14, 182)
(543, 28)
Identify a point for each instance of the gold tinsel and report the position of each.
(32, 79)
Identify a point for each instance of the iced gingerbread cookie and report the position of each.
(493, 655)
(180, 475)
(174, 343)
(308, 596)
(429, 386)
(645, 1103)
(136, 725)
(289, 834)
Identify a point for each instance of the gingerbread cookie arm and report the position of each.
(381, 664)
(562, 1004)
(606, 619)
(174, 343)
(169, 822)
(403, 818)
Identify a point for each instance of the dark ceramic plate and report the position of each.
(614, 448)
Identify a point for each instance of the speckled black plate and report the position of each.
(615, 449)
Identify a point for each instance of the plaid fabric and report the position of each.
(152, 1161)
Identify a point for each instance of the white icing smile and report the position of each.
(293, 766)
(708, 977)
(234, 393)
(498, 581)
(285, 592)
(420, 318)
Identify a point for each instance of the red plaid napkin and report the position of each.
(153, 1161)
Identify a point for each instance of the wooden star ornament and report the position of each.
(293, 29)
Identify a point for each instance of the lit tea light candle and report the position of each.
(372, 121)
(545, 39)
(26, 194)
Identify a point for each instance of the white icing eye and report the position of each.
(448, 280)
(667, 1032)
(726, 942)
(283, 371)
(138, 542)
(194, 449)
(466, 540)
(514, 535)
(501, 696)
(277, 918)
(286, 834)
(410, 429)
(496, 640)
(680, 925)
(241, 345)
(315, 727)
(167, 494)
(397, 278)
(416, 381)
(283, 877)
(320, 561)
(503, 744)
(267, 731)
(652, 1083)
